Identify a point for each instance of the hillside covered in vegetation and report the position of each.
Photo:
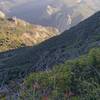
(77, 79)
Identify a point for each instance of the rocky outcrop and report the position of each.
(2, 15)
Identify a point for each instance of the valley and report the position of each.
(49, 50)
(19, 63)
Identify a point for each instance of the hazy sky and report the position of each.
(95, 4)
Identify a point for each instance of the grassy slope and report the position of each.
(22, 34)
(10, 35)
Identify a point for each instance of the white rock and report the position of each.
(2, 15)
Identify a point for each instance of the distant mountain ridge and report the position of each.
(55, 13)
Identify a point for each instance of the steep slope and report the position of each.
(78, 40)
(16, 33)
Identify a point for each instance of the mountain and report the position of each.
(69, 45)
(16, 33)
(62, 14)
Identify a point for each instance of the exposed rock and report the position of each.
(52, 10)
(2, 15)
